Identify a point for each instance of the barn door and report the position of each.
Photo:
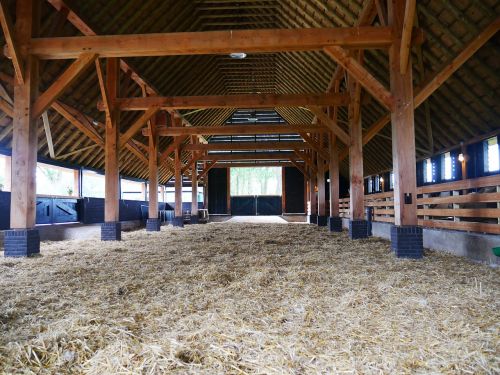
(56, 210)
(268, 205)
(243, 206)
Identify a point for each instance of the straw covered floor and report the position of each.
(245, 298)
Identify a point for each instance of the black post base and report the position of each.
(358, 229)
(335, 224)
(312, 219)
(153, 225)
(178, 221)
(21, 242)
(407, 241)
(322, 221)
(194, 219)
(111, 231)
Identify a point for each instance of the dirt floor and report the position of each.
(245, 298)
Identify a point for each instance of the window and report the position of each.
(377, 184)
(4, 173)
(391, 181)
(93, 184)
(370, 185)
(132, 190)
(255, 181)
(447, 167)
(429, 171)
(491, 155)
(52, 180)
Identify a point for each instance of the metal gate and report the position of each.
(56, 210)
(256, 205)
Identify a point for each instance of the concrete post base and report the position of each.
(111, 231)
(194, 219)
(178, 221)
(335, 224)
(21, 242)
(322, 221)
(407, 241)
(153, 225)
(312, 219)
(358, 229)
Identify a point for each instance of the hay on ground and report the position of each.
(245, 298)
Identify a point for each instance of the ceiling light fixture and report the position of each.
(238, 55)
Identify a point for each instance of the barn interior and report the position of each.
(250, 186)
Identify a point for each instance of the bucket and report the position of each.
(496, 251)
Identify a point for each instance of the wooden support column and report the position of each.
(313, 202)
(357, 223)
(322, 220)
(405, 235)
(194, 187)
(111, 228)
(179, 215)
(153, 224)
(23, 239)
(334, 221)
(205, 189)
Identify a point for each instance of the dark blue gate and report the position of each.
(56, 210)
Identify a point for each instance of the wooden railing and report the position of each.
(468, 205)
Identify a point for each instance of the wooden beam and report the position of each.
(300, 168)
(237, 129)
(435, 80)
(111, 150)
(381, 11)
(229, 101)
(254, 164)
(405, 48)
(137, 125)
(24, 138)
(102, 86)
(331, 124)
(66, 79)
(247, 146)
(6, 107)
(153, 170)
(249, 156)
(48, 134)
(320, 178)
(212, 42)
(356, 191)
(79, 121)
(314, 145)
(360, 74)
(8, 32)
(334, 177)
(207, 168)
(403, 127)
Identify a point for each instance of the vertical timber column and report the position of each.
(205, 188)
(23, 239)
(111, 228)
(322, 219)
(334, 221)
(153, 224)
(406, 236)
(194, 188)
(358, 226)
(313, 202)
(179, 217)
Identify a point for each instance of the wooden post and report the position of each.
(194, 187)
(111, 228)
(321, 192)
(313, 202)
(179, 218)
(405, 235)
(153, 223)
(334, 221)
(205, 189)
(23, 239)
(357, 223)
(76, 182)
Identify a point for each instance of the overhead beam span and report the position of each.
(212, 42)
(228, 101)
(250, 156)
(236, 129)
(247, 146)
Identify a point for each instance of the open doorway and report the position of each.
(256, 191)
